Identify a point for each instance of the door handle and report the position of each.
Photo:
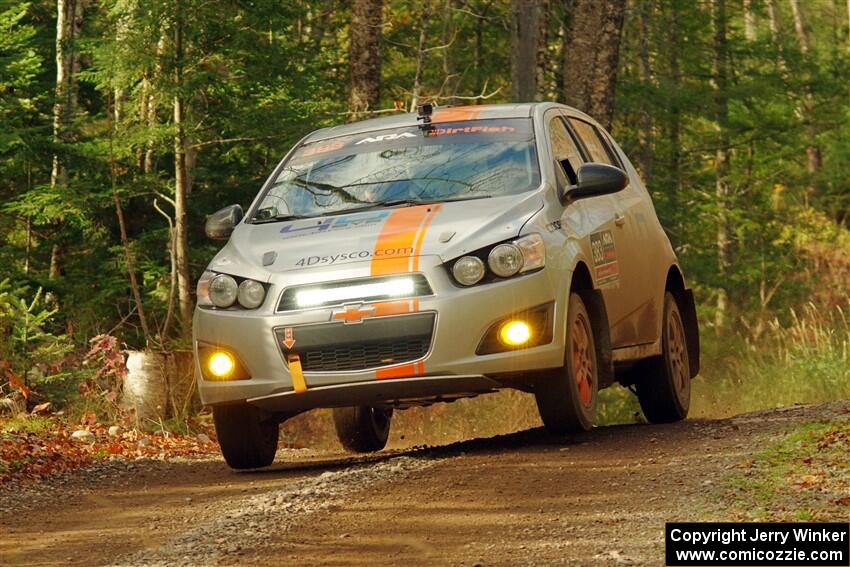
(619, 219)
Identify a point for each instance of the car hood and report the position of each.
(389, 239)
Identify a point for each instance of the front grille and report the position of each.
(373, 343)
(367, 355)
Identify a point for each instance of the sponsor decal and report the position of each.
(386, 138)
(605, 258)
(471, 130)
(355, 256)
(343, 222)
(322, 148)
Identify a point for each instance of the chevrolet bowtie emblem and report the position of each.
(353, 313)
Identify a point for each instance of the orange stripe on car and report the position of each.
(397, 251)
(456, 114)
(400, 371)
(394, 246)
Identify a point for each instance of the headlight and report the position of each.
(505, 260)
(251, 294)
(533, 252)
(203, 289)
(468, 270)
(223, 290)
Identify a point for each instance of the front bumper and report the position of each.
(461, 317)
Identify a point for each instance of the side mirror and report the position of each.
(221, 223)
(593, 180)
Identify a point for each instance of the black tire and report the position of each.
(363, 429)
(664, 382)
(567, 397)
(247, 440)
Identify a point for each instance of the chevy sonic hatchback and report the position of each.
(427, 257)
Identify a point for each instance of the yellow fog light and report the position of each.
(221, 364)
(515, 333)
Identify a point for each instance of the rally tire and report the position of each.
(362, 429)
(664, 382)
(567, 397)
(247, 440)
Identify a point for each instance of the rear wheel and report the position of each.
(567, 397)
(664, 382)
(247, 438)
(363, 429)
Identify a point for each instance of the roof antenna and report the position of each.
(424, 112)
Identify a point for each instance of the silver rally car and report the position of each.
(436, 255)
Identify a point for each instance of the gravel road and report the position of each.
(599, 498)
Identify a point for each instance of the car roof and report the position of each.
(441, 114)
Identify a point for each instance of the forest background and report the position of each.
(124, 123)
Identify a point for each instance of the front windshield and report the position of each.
(459, 160)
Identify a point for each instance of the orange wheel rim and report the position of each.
(582, 360)
(677, 354)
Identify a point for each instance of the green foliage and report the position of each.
(33, 350)
(256, 77)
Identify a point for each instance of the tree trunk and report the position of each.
(542, 66)
(63, 109)
(420, 54)
(721, 159)
(364, 52)
(592, 56)
(181, 187)
(129, 258)
(645, 73)
(69, 18)
(813, 151)
(749, 21)
(525, 40)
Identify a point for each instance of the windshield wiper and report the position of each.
(403, 202)
(278, 218)
(380, 205)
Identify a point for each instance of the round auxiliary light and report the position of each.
(251, 294)
(505, 260)
(468, 270)
(221, 364)
(223, 290)
(515, 333)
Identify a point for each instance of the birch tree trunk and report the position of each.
(592, 56)
(364, 52)
(63, 109)
(813, 151)
(525, 40)
(719, 82)
(749, 21)
(181, 186)
(69, 21)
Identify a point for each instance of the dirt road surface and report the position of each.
(599, 498)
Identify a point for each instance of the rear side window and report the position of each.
(593, 142)
(564, 148)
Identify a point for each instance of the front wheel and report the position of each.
(567, 397)
(664, 382)
(363, 429)
(247, 439)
